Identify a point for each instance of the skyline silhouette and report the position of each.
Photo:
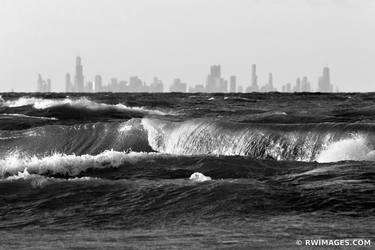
(214, 83)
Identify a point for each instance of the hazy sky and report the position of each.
(182, 38)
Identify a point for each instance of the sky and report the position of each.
(182, 38)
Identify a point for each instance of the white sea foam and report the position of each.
(70, 165)
(37, 181)
(34, 179)
(199, 177)
(125, 128)
(83, 102)
(20, 175)
(356, 148)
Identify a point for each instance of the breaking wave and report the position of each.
(70, 165)
(322, 143)
(89, 138)
(83, 102)
(356, 148)
(314, 142)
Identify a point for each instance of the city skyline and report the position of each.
(215, 83)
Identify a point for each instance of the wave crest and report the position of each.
(89, 138)
(356, 148)
(69, 165)
(82, 102)
(202, 137)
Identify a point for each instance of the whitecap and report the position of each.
(71, 165)
(199, 177)
(83, 102)
(355, 148)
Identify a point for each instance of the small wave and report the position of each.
(20, 175)
(40, 181)
(36, 181)
(22, 166)
(83, 102)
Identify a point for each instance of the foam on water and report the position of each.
(70, 165)
(83, 102)
(35, 180)
(40, 181)
(199, 177)
(356, 148)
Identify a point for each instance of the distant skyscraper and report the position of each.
(39, 85)
(324, 83)
(43, 86)
(48, 85)
(269, 86)
(178, 86)
(254, 79)
(326, 75)
(297, 88)
(68, 83)
(98, 83)
(156, 85)
(122, 86)
(233, 84)
(79, 78)
(135, 84)
(113, 85)
(214, 82)
(306, 87)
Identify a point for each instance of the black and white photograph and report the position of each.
(187, 124)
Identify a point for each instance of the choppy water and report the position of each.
(113, 170)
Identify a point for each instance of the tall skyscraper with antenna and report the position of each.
(79, 78)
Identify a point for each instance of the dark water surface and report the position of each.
(112, 171)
